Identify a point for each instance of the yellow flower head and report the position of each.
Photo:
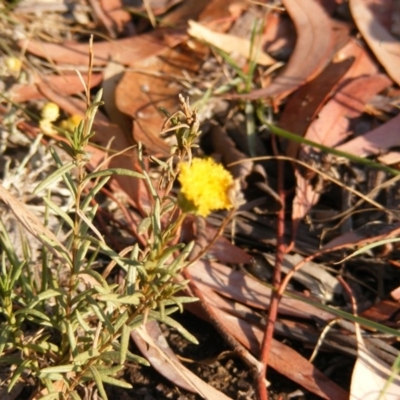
(205, 187)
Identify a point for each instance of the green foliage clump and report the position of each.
(71, 332)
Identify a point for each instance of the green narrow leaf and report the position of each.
(360, 160)
(93, 191)
(125, 335)
(98, 277)
(4, 334)
(59, 212)
(113, 171)
(117, 298)
(53, 177)
(100, 314)
(120, 321)
(67, 177)
(32, 312)
(174, 324)
(58, 369)
(345, 315)
(116, 382)
(250, 128)
(82, 322)
(17, 374)
(48, 294)
(71, 337)
(16, 273)
(98, 381)
(8, 360)
(82, 358)
(144, 224)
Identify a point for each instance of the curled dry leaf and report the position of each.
(385, 46)
(228, 43)
(126, 51)
(155, 348)
(314, 48)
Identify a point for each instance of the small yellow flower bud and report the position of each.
(71, 123)
(46, 127)
(50, 112)
(13, 64)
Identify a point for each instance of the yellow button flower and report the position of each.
(205, 187)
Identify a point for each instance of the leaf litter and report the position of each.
(145, 57)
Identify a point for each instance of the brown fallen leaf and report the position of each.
(377, 141)
(366, 234)
(154, 84)
(383, 311)
(228, 43)
(304, 105)
(361, 65)
(35, 227)
(314, 49)
(220, 15)
(385, 46)
(278, 37)
(66, 83)
(188, 9)
(332, 125)
(155, 348)
(121, 19)
(126, 51)
(247, 290)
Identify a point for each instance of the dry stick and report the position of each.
(276, 280)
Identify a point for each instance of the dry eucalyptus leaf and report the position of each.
(228, 43)
(35, 227)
